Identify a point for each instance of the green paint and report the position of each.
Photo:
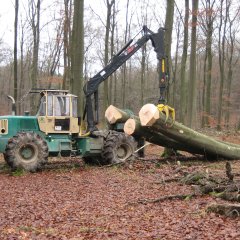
(83, 146)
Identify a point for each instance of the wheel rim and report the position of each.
(123, 151)
(27, 152)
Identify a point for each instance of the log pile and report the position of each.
(154, 127)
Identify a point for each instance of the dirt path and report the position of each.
(80, 202)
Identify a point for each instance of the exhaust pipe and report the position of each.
(13, 105)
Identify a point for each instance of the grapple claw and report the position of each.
(167, 110)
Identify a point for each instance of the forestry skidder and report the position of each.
(27, 141)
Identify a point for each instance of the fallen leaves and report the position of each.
(93, 203)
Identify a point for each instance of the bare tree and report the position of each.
(183, 90)
(124, 68)
(192, 72)
(66, 40)
(230, 59)
(207, 26)
(221, 58)
(15, 95)
(77, 53)
(168, 36)
(34, 14)
(106, 49)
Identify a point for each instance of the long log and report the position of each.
(229, 210)
(133, 127)
(152, 117)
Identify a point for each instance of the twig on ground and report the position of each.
(164, 198)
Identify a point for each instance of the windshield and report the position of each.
(62, 106)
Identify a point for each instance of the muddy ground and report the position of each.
(72, 200)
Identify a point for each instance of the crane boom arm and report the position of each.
(91, 87)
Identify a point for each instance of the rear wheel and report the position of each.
(27, 151)
(117, 148)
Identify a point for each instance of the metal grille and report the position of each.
(3, 126)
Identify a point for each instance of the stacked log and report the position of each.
(153, 126)
(115, 115)
(133, 127)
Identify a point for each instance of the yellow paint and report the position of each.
(167, 110)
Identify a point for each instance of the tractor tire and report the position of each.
(118, 148)
(26, 150)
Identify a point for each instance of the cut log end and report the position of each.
(112, 114)
(148, 115)
(130, 126)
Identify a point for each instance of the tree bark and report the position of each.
(168, 38)
(66, 45)
(15, 95)
(106, 50)
(35, 24)
(192, 103)
(77, 53)
(183, 93)
(221, 59)
(208, 31)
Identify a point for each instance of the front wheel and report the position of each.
(118, 147)
(27, 151)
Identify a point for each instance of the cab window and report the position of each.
(74, 107)
(62, 106)
(42, 107)
(50, 105)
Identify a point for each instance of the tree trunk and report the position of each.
(106, 50)
(168, 37)
(35, 23)
(77, 51)
(113, 26)
(175, 68)
(66, 47)
(143, 73)
(221, 59)
(15, 95)
(183, 94)
(231, 62)
(192, 103)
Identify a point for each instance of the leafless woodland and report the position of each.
(204, 89)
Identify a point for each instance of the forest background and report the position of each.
(62, 43)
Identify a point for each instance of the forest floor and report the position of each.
(72, 200)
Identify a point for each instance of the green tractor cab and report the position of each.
(28, 141)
